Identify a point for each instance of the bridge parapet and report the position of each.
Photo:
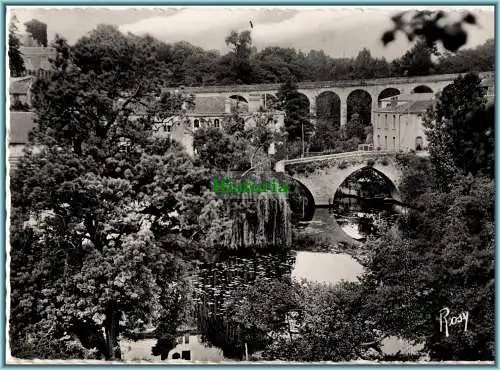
(323, 175)
(311, 85)
(346, 155)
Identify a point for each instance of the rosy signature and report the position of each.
(445, 320)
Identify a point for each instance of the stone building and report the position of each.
(398, 123)
(212, 112)
(36, 58)
(208, 112)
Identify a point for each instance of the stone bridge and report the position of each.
(257, 95)
(323, 175)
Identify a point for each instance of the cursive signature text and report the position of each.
(445, 320)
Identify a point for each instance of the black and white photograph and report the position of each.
(250, 184)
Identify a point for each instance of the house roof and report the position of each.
(21, 124)
(410, 97)
(209, 104)
(20, 85)
(419, 106)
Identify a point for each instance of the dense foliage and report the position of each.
(441, 254)
(432, 26)
(99, 213)
(189, 65)
(16, 62)
(38, 31)
(460, 129)
(110, 219)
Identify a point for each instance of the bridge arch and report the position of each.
(239, 103)
(387, 93)
(304, 210)
(360, 101)
(384, 174)
(328, 105)
(324, 182)
(422, 89)
(239, 98)
(304, 101)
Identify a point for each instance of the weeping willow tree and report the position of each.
(249, 238)
(246, 235)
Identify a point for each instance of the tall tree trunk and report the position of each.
(111, 329)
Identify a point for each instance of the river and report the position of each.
(218, 280)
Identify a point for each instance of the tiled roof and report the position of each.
(21, 124)
(410, 97)
(20, 85)
(210, 104)
(419, 106)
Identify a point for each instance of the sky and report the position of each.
(338, 30)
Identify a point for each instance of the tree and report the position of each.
(446, 237)
(16, 62)
(478, 59)
(296, 108)
(241, 44)
(329, 326)
(38, 31)
(255, 315)
(360, 102)
(416, 61)
(115, 207)
(355, 128)
(365, 66)
(432, 26)
(447, 242)
(219, 150)
(460, 129)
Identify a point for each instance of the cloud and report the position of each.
(339, 31)
(205, 27)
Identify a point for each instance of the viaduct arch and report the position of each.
(255, 94)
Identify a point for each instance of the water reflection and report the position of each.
(218, 287)
(363, 202)
(326, 267)
(219, 284)
(360, 217)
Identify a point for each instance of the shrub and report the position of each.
(384, 162)
(343, 165)
(309, 168)
(370, 162)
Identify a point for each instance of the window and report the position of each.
(418, 143)
(386, 122)
(186, 338)
(393, 121)
(216, 122)
(378, 140)
(169, 128)
(394, 142)
(196, 123)
(186, 355)
(386, 142)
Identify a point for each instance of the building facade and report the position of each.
(213, 112)
(398, 123)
